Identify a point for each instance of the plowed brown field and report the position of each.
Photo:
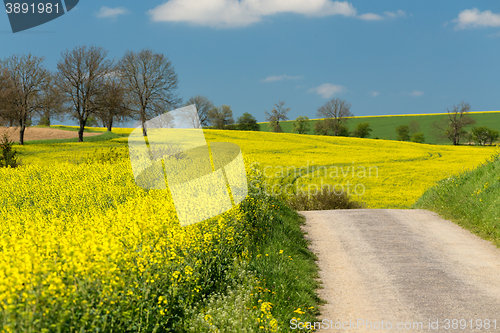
(35, 133)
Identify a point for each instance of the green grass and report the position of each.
(280, 270)
(47, 152)
(384, 127)
(284, 265)
(73, 128)
(471, 199)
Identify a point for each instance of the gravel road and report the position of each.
(404, 267)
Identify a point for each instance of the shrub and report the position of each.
(320, 128)
(301, 125)
(324, 127)
(8, 155)
(418, 137)
(362, 130)
(403, 132)
(247, 122)
(493, 136)
(275, 127)
(325, 199)
(343, 130)
(44, 121)
(480, 135)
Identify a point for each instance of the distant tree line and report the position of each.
(94, 90)
(88, 87)
(335, 114)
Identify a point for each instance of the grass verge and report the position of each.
(470, 199)
(275, 284)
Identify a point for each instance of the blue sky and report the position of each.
(384, 57)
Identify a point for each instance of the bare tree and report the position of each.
(453, 126)
(52, 102)
(112, 103)
(337, 111)
(7, 100)
(414, 127)
(278, 113)
(149, 80)
(220, 117)
(203, 105)
(27, 79)
(81, 72)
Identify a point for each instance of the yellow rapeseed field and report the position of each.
(387, 174)
(82, 247)
(381, 173)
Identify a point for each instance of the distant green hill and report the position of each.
(384, 127)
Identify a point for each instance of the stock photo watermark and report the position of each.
(204, 179)
(25, 14)
(429, 325)
(333, 179)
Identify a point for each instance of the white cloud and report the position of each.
(370, 17)
(106, 12)
(241, 13)
(417, 93)
(399, 13)
(474, 18)
(280, 78)
(377, 17)
(374, 93)
(327, 90)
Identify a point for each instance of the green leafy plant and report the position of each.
(362, 130)
(418, 137)
(301, 125)
(403, 132)
(8, 156)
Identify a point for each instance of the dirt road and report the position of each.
(404, 267)
(40, 133)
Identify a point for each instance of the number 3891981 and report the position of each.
(24, 8)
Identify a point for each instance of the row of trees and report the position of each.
(335, 114)
(86, 84)
(410, 132)
(91, 88)
(221, 117)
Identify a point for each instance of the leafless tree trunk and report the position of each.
(338, 111)
(51, 103)
(221, 116)
(459, 118)
(7, 101)
(81, 73)
(203, 106)
(112, 104)
(278, 113)
(27, 79)
(149, 80)
(453, 126)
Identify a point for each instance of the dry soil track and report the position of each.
(40, 133)
(403, 266)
